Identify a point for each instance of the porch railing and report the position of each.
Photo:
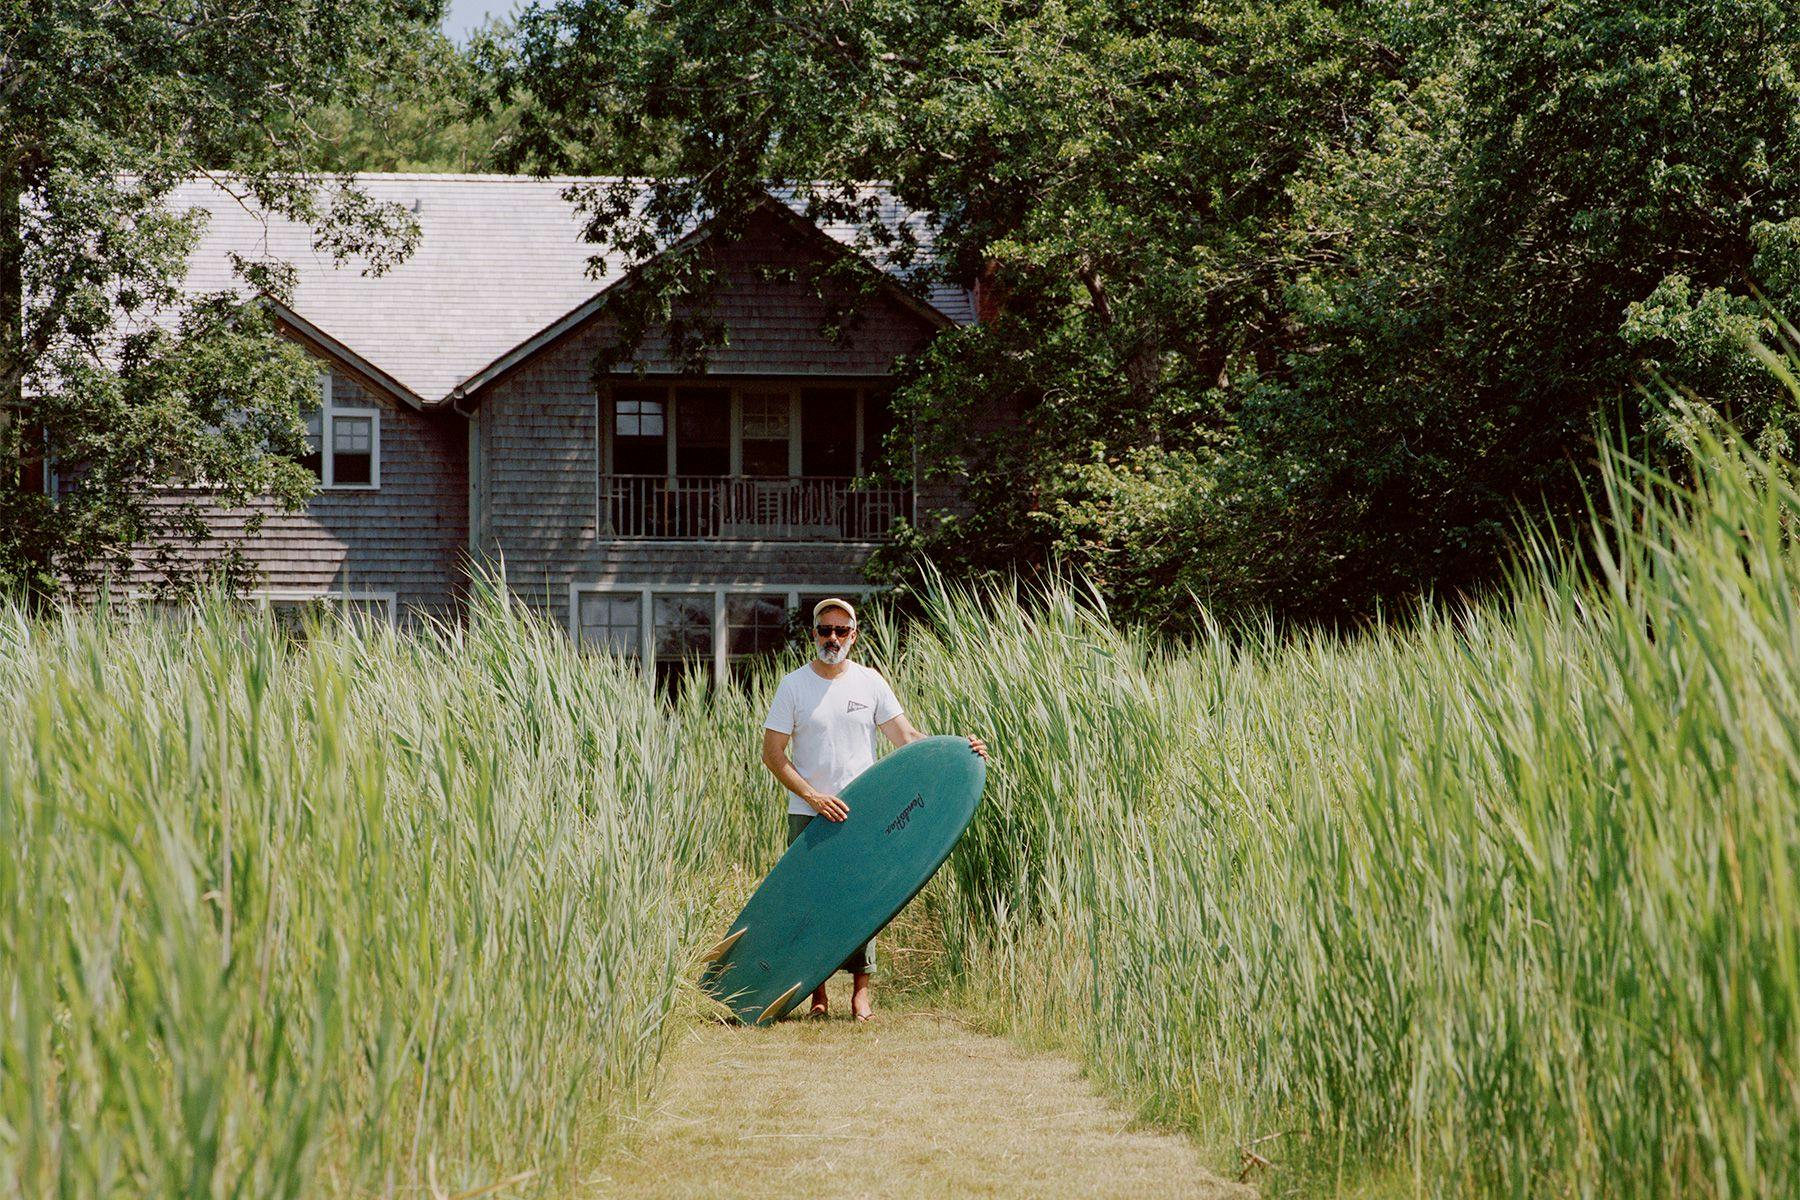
(749, 508)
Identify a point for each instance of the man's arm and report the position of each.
(900, 731)
(775, 757)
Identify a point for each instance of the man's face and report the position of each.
(833, 635)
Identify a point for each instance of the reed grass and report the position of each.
(1500, 902)
(362, 915)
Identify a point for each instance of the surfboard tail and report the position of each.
(724, 947)
(779, 1005)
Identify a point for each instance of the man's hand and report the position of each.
(829, 807)
(977, 745)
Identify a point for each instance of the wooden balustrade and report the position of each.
(749, 508)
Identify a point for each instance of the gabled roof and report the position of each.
(500, 261)
(820, 238)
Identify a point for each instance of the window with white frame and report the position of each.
(613, 620)
(343, 442)
(727, 632)
(763, 429)
(682, 635)
(757, 628)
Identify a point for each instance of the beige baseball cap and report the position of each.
(834, 602)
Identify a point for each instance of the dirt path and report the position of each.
(911, 1105)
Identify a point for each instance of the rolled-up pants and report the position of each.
(862, 959)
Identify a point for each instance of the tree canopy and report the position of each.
(106, 369)
(1305, 305)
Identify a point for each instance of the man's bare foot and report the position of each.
(821, 1003)
(860, 1007)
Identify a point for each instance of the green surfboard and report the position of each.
(842, 881)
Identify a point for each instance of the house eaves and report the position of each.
(331, 347)
(501, 262)
(467, 390)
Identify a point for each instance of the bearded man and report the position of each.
(826, 714)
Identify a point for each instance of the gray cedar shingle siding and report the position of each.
(773, 326)
(406, 537)
(539, 447)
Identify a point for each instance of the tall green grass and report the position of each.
(368, 915)
(1502, 903)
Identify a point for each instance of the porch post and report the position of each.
(720, 651)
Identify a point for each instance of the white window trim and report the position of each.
(329, 411)
(605, 429)
(263, 597)
(647, 594)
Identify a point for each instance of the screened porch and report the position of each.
(763, 460)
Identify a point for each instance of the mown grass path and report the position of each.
(909, 1105)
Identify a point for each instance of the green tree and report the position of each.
(106, 370)
(1482, 278)
(433, 111)
(1305, 304)
(1110, 166)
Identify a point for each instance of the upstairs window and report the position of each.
(638, 432)
(765, 433)
(314, 458)
(343, 442)
(352, 450)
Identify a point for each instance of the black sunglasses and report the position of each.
(834, 630)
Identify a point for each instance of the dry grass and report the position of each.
(911, 1105)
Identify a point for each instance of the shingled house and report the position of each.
(666, 515)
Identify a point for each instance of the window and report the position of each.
(702, 431)
(613, 620)
(36, 472)
(699, 633)
(352, 450)
(828, 432)
(683, 626)
(765, 433)
(755, 628)
(757, 430)
(877, 425)
(683, 637)
(639, 421)
(343, 444)
(639, 417)
(314, 458)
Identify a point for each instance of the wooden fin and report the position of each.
(719, 951)
(777, 1007)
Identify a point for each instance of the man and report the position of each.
(829, 711)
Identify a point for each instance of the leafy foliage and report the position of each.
(1303, 304)
(433, 111)
(101, 371)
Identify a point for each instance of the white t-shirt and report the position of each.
(832, 723)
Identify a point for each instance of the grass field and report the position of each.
(1502, 902)
(1505, 903)
(347, 917)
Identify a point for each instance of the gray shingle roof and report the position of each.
(499, 258)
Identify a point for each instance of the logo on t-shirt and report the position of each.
(856, 706)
